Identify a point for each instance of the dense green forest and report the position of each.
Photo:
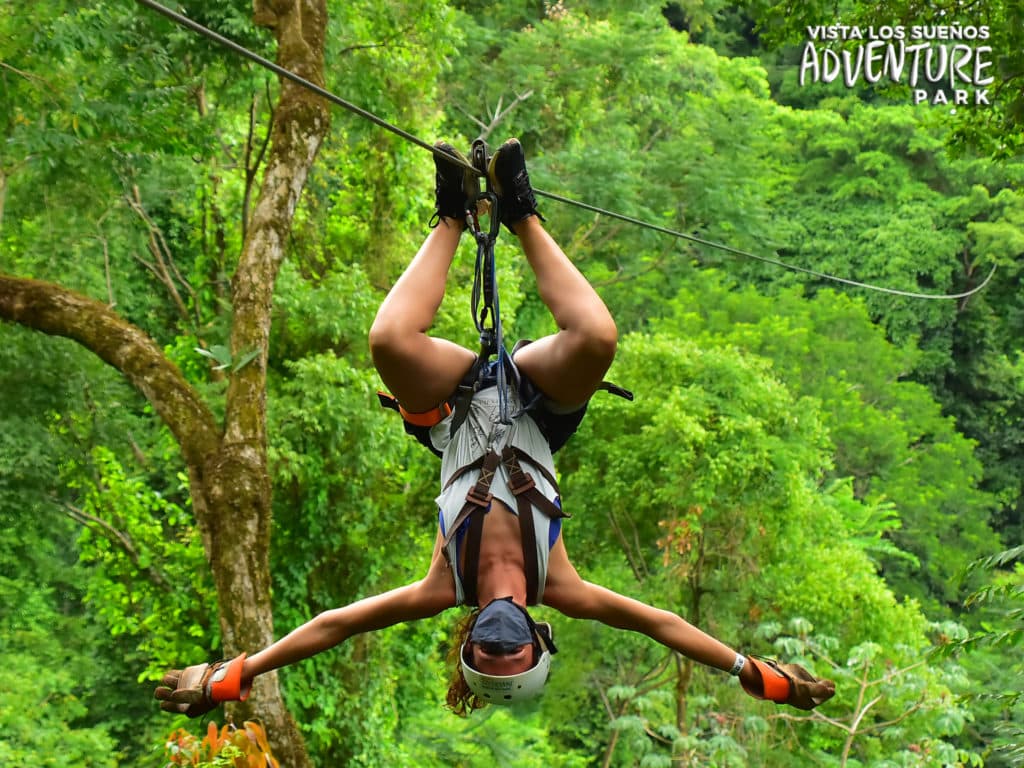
(193, 461)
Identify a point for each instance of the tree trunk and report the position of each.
(684, 667)
(227, 465)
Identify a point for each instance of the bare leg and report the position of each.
(568, 365)
(419, 370)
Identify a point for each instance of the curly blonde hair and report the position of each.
(460, 699)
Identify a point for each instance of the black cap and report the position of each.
(502, 626)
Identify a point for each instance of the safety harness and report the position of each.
(478, 502)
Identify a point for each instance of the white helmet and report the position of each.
(506, 689)
(509, 689)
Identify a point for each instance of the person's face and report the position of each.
(504, 664)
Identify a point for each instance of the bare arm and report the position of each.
(567, 593)
(419, 600)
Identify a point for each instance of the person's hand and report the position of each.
(198, 689)
(790, 684)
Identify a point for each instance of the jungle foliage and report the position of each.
(810, 470)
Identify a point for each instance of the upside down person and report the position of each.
(499, 545)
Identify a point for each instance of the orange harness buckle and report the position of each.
(427, 418)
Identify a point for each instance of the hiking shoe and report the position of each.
(449, 185)
(511, 182)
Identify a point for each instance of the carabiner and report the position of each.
(481, 158)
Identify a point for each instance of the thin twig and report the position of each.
(499, 114)
(161, 255)
(626, 549)
(123, 540)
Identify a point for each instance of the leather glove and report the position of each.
(789, 684)
(196, 690)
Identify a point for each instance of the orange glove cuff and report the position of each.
(774, 685)
(226, 683)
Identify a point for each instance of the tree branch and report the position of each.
(499, 114)
(253, 165)
(612, 716)
(31, 77)
(120, 539)
(57, 311)
(3, 196)
(813, 717)
(300, 124)
(161, 257)
(881, 726)
(617, 530)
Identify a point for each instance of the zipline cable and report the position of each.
(765, 259)
(244, 52)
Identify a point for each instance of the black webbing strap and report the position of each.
(529, 539)
(479, 496)
(468, 387)
(525, 490)
(520, 454)
(478, 500)
(463, 470)
(472, 563)
(615, 389)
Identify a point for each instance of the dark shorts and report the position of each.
(558, 427)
